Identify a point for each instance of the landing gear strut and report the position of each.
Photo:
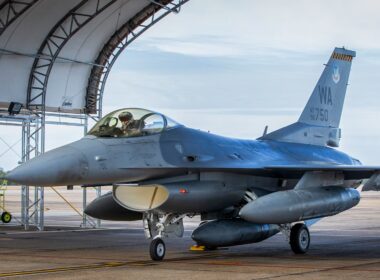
(299, 239)
(157, 227)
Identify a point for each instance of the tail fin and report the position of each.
(319, 121)
(326, 103)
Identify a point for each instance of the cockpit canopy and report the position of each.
(132, 123)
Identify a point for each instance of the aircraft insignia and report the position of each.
(336, 75)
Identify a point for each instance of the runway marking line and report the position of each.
(72, 268)
(350, 268)
(308, 267)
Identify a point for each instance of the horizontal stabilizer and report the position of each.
(373, 184)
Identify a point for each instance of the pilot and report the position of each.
(129, 126)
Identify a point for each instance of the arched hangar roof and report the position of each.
(56, 55)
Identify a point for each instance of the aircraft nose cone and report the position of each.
(63, 166)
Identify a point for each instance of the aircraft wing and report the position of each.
(372, 173)
(350, 172)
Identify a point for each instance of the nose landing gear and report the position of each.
(157, 249)
(158, 226)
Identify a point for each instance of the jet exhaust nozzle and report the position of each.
(299, 205)
(231, 232)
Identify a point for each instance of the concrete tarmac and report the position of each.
(346, 246)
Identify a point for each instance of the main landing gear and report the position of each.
(158, 226)
(299, 239)
(298, 236)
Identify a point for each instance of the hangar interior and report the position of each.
(55, 58)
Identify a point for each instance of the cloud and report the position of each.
(289, 25)
(191, 48)
(219, 47)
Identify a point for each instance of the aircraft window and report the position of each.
(131, 123)
(153, 123)
(170, 123)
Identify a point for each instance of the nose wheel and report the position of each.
(299, 239)
(157, 249)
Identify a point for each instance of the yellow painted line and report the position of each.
(69, 268)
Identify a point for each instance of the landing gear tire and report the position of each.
(299, 239)
(157, 249)
(6, 217)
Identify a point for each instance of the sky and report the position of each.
(233, 67)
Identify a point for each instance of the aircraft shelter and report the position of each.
(55, 58)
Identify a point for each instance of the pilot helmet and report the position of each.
(125, 116)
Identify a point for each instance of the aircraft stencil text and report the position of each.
(319, 114)
(325, 96)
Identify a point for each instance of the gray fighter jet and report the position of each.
(244, 190)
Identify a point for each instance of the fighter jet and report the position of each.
(245, 191)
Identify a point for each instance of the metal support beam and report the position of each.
(33, 144)
(87, 221)
(48, 52)
(174, 10)
(10, 10)
(129, 32)
(84, 205)
(84, 190)
(59, 59)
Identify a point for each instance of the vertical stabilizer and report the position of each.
(325, 105)
(319, 121)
